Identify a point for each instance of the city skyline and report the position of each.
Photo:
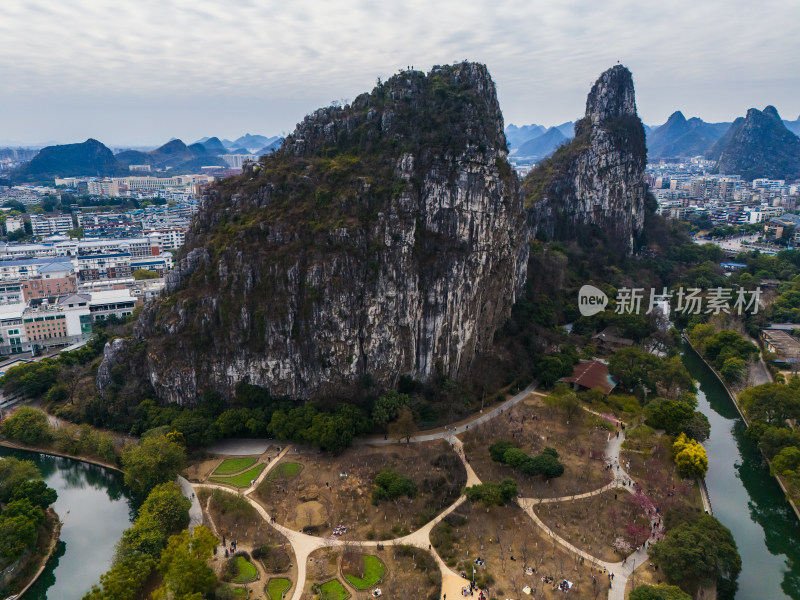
(140, 73)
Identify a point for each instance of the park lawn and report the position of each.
(277, 586)
(332, 590)
(247, 571)
(229, 466)
(373, 573)
(287, 469)
(242, 480)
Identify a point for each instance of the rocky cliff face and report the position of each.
(596, 182)
(758, 145)
(384, 238)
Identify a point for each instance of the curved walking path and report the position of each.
(621, 570)
(452, 583)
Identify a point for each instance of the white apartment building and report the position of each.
(138, 247)
(43, 225)
(103, 187)
(111, 302)
(14, 224)
(14, 340)
(170, 237)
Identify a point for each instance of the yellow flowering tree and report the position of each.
(690, 457)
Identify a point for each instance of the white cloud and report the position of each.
(149, 69)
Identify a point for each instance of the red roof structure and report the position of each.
(589, 375)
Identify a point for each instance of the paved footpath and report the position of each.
(452, 583)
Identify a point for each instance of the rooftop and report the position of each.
(591, 374)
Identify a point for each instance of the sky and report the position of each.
(141, 72)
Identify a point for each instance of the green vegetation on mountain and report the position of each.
(758, 145)
(90, 158)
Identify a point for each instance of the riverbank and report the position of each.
(735, 400)
(51, 452)
(54, 537)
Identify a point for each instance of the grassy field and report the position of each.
(247, 571)
(287, 469)
(373, 573)
(242, 480)
(277, 586)
(332, 590)
(229, 466)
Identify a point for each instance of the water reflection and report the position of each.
(95, 507)
(739, 486)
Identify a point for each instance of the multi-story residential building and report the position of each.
(112, 302)
(43, 225)
(62, 246)
(161, 264)
(12, 331)
(171, 237)
(96, 267)
(54, 279)
(14, 224)
(10, 292)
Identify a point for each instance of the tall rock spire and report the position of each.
(596, 182)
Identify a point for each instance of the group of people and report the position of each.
(340, 530)
(564, 586)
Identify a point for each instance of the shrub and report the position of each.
(390, 485)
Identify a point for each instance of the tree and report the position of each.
(404, 426)
(734, 370)
(17, 533)
(690, 457)
(698, 553)
(140, 274)
(13, 473)
(154, 460)
(772, 403)
(183, 565)
(36, 492)
(388, 406)
(27, 425)
(492, 494)
(498, 450)
(634, 369)
(390, 485)
(659, 592)
(786, 462)
(167, 506)
(669, 415)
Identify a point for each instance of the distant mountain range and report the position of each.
(93, 158)
(88, 158)
(177, 156)
(246, 144)
(678, 137)
(535, 142)
(542, 146)
(758, 145)
(682, 137)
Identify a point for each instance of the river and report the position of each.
(95, 507)
(745, 498)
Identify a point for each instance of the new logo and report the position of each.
(591, 300)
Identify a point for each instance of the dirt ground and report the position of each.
(646, 575)
(580, 446)
(592, 524)
(201, 470)
(508, 542)
(320, 497)
(653, 468)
